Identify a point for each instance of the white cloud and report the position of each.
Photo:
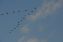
(25, 29)
(27, 39)
(46, 8)
(21, 39)
(31, 39)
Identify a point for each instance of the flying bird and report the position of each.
(13, 11)
(28, 13)
(7, 13)
(25, 10)
(21, 20)
(18, 22)
(2, 14)
(25, 15)
(14, 27)
(35, 8)
(10, 32)
(32, 11)
(18, 11)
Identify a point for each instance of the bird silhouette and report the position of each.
(14, 28)
(18, 11)
(35, 8)
(32, 11)
(13, 11)
(2, 14)
(25, 10)
(7, 13)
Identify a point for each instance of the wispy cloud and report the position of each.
(32, 39)
(20, 39)
(46, 8)
(25, 29)
(42, 11)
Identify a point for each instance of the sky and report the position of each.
(31, 21)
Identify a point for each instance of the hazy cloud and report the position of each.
(21, 39)
(46, 8)
(42, 11)
(32, 39)
(25, 29)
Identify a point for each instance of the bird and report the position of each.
(18, 11)
(28, 13)
(25, 15)
(7, 13)
(18, 22)
(25, 10)
(13, 11)
(35, 8)
(2, 14)
(21, 20)
(14, 27)
(11, 30)
(32, 11)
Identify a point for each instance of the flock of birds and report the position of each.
(20, 20)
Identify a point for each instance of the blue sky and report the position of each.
(45, 26)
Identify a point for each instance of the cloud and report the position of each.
(21, 39)
(45, 9)
(31, 39)
(42, 11)
(28, 39)
(25, 29)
